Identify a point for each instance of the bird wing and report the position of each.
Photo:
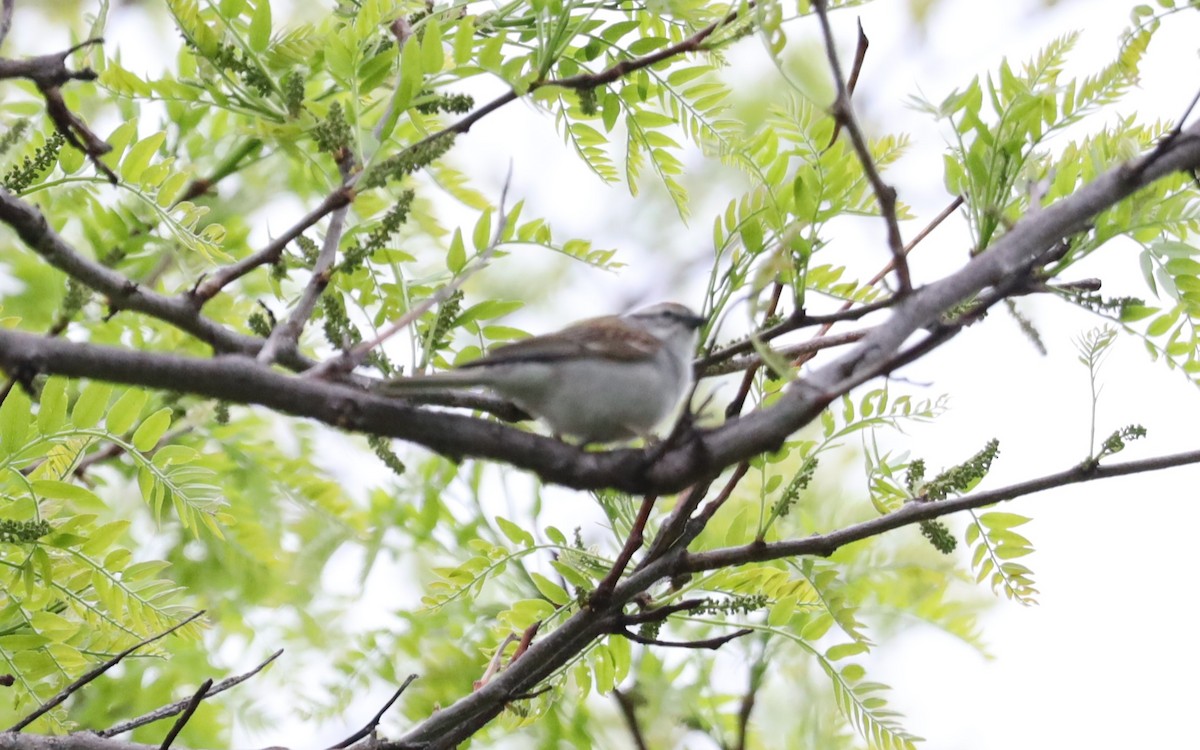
(586, 339)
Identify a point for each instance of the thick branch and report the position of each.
(122, 292)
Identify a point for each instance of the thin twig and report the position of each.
(658, 614)
(860, 56)
(286, 336)
(632, 544)
(170, 710)
(374, 722)
(49, 73)
(809, 348)
(946, 213)
(208, 287)
(708, 643)
(192, 704)
(93, 674)
(757, 670)
(843, 111)
(797, 320)
(913, 512)
(352, 358)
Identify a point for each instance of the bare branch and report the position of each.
(843, 111)
(711, 644)
(208, 287)
(374, 722)
(174, 708)
(355, 356)
(286, 336)
(658, 614)
(797, 320)
(802, 349)
(192, 704)
(632, 544)
(92, 675)
(49, 73)
(914, 512)
(6, 16)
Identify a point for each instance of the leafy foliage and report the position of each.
(122, 510)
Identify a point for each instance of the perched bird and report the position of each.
(601, 380)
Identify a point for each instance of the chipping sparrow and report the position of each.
(601, 380)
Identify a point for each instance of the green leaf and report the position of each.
(52, 409)
(842, 650)
(260, 26)
(549, 589)
(411, 76)
(90, 405)
(82, 498)
(781, 611)
(996, 520)
(464, 39)
(515, 533)
(151, 429)
(103, 537)
(482, 236)
(456, 256)
(14, 420)
(139, 156)
(125, 412)
(432, 54)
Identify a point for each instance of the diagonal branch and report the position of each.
(286, 336)
(825, 545)
(711, 644)
(174, 708)
(6, 16)
(192, 704)
(843, 112)
(208, 287)
(367, 730)
(93, 674)
(49, 73)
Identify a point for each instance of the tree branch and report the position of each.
(208, 287)
(629, 712)
(192, 704)
(369, 729)
(711, 644)
(826, 544)
(6, 16)
(170, 710)
(843, 112)
(239, 380)
(122, 292)
(285, 337)
(49, 73)
(91, 675)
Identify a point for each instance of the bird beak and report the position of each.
(694, 321)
